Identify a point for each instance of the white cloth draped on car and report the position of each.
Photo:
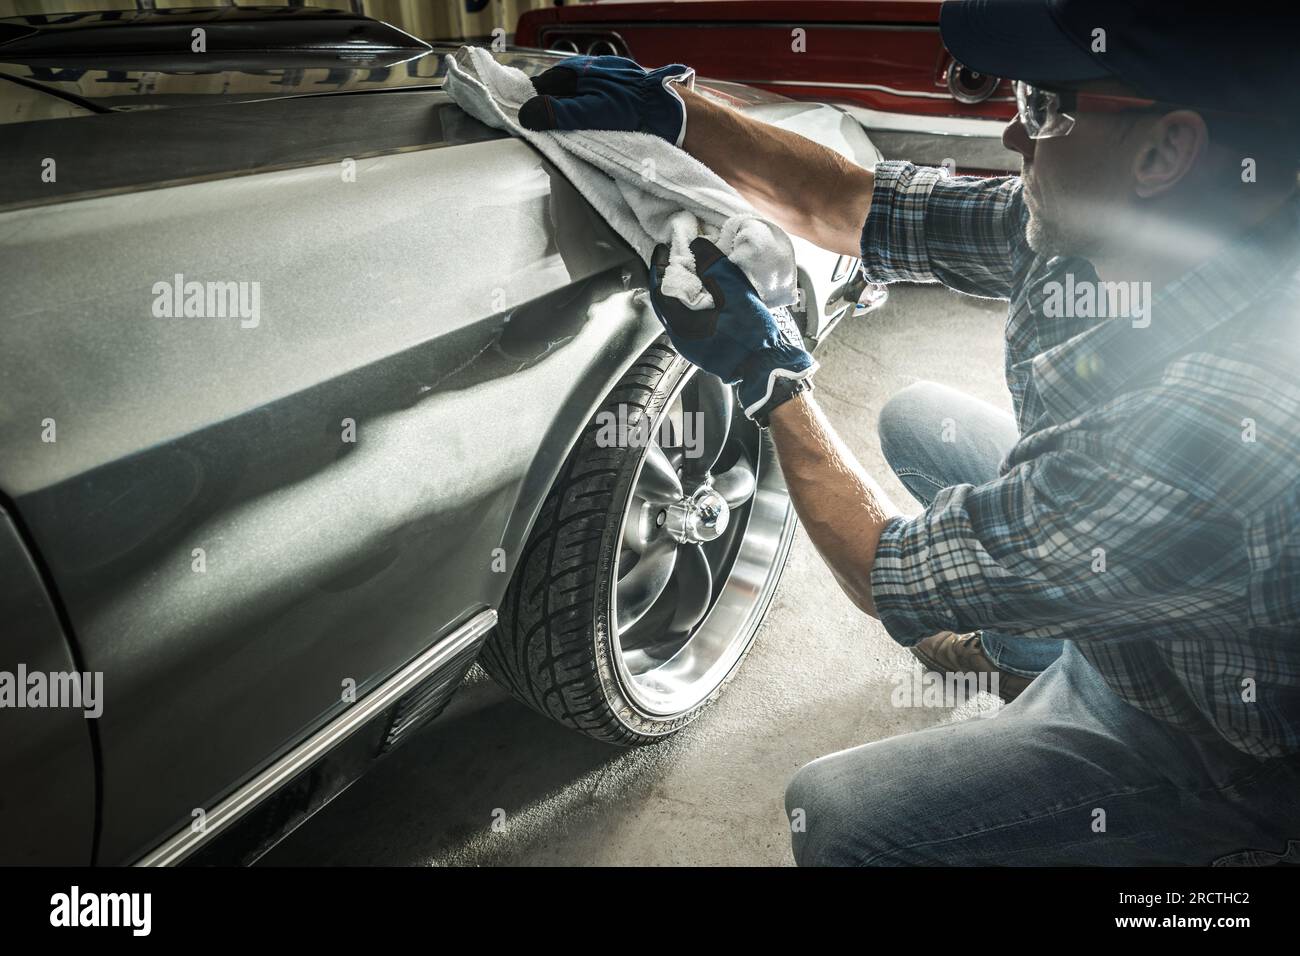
(647, 189)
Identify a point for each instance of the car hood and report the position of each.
(114, 82)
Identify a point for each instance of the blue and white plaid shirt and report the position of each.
(1151, 508)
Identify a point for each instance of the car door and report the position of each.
(47, 802)
(250, 511)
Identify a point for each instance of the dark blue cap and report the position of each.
(1229, 57)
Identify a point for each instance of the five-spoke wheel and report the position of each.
(690, 514)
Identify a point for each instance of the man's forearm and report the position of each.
(816, 193)
(802, 186)
(841, 506)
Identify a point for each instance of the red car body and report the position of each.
(880, 54)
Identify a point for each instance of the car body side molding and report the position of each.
(235, 806)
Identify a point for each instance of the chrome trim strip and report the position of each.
(599, 26)
(884, 121)
(335, 732)
(876, 87)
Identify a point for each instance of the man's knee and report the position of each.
(890, 803)
(806, 795)
(829, 822)
(908, 418)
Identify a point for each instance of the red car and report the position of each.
(882, 60)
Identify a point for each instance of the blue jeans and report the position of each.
(1067, 774)
(913, 427)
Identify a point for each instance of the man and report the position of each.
(1142, 513)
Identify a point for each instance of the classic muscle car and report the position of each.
(303, 386)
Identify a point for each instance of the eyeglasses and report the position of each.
(1046, 113)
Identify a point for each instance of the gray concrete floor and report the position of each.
(817, 681)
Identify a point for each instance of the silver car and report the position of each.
(307, 390)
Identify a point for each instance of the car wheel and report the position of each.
(652, 562)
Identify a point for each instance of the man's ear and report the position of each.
(1169, 149)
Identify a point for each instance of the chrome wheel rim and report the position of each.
(705, 531)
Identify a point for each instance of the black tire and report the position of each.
(552, 647)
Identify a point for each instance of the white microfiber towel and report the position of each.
(647, 189)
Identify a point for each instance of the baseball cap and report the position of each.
(1194, 54)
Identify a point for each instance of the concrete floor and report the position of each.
(818, 680)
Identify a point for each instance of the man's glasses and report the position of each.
(1046, 113)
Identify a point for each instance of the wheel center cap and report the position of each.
(698, 518)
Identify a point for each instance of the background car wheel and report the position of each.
(652, 562)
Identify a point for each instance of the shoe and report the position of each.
(950, 653)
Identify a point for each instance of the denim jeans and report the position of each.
(913, 426)
(1067, 774)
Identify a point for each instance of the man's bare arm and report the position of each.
(805, 188)
(841, 506)
(813, 192)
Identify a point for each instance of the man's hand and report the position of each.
(738, 339)
(609, 93)
(805, 188)
(743, 343)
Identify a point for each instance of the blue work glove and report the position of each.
(609, 92)
(738, 340)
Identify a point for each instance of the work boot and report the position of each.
(950, 653)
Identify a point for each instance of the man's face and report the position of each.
(1077, 187)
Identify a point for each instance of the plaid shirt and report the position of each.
(1151, 509)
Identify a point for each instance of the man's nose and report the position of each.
(1015, 138)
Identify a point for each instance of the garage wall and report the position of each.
(427, 19)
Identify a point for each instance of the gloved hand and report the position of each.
(609, 92)
(738, 340)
